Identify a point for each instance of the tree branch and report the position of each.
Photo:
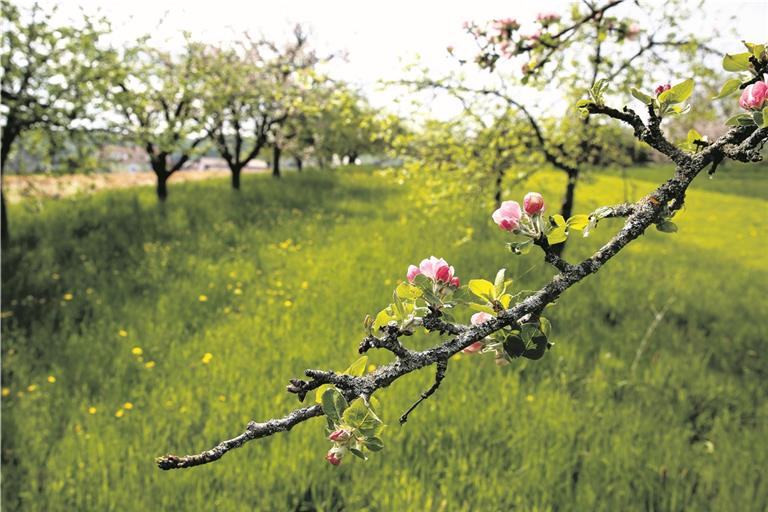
(738, 142)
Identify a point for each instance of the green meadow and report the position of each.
(132, 330)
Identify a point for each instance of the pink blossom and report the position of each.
(473, 348)
(506, 24)
(340, 435)
(547, 18)
(480, 318)
(633, 31)
(437, 269)
(455, 282)
(333, 456)
(533, 202)
(507, 217)
(660, 89)
(754, 96)
(413, 271)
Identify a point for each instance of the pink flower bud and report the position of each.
(333, 456)
(480, 317)
(340, 435)
(455, 282)
(507, 217)
(473, 348)
(533, 202)
(754, 96)
(660, 89)
(633, 31)
(413, 271)
(444, 274)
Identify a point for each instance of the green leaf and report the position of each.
(583, 103)
(737, 61)
(557, 236)
(578, 222)
(757, 117)
(755, 49)
(521, 247)
(382, 318)
(319, 392)
(740, 120)
(498, 283)
(667, 226)
(693, 136)
(358, 453)
(359, 416)
(534, 340)
(334, 405)
(641, 96)
(545, 326)
(357, 369)
(678, 93)
(408, 291)
(514, 346)
(729, 87)
(559, 220)
(765, 118)
(374, 443)
(482, 307)
(482, 288)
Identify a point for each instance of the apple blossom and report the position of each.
(334, 456)
(660, 89)
(533, 202)
(548, 18)
(633, 31)
(507, 216)
(413, 271)
(340, 435)
(754, 96)
(477, 319)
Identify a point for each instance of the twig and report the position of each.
(441, 368)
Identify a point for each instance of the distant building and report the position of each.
(206, 163)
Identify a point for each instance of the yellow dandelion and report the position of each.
(304, 285)
(51, 379)
(238, 291)
(89, 291)
(207, 358)
(68, 296)
(122, 333)
(32, 388)
(371, 367)
(203, 298)
(55, 276)
(137, 351)
(6, 392)
(149, 364)
(222, 398)
(278, 283)
(233, 274)
(120, 413)
(227, 310)
(127, 406)
(91, 410)
(287, 303)
(529, 398)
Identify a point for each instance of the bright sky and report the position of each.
(379, 37)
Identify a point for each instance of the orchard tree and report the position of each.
(53, 75)
(506, 323)
(562, 54)
(158, 101)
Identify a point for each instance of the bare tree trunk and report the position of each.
(499, 180)
(566, 207)
(236, 177)
(299, 163)
(9, 135)
(276, 161)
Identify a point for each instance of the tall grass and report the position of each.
(277, 279)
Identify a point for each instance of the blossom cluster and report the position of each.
(436, 269)
(510, 217)
(754, 96)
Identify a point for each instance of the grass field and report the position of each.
(111, 299)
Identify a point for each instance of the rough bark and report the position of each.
(276, 161)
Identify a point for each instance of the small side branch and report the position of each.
(390, 341)
(253, 431)
(551, 256)
(441, 368)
